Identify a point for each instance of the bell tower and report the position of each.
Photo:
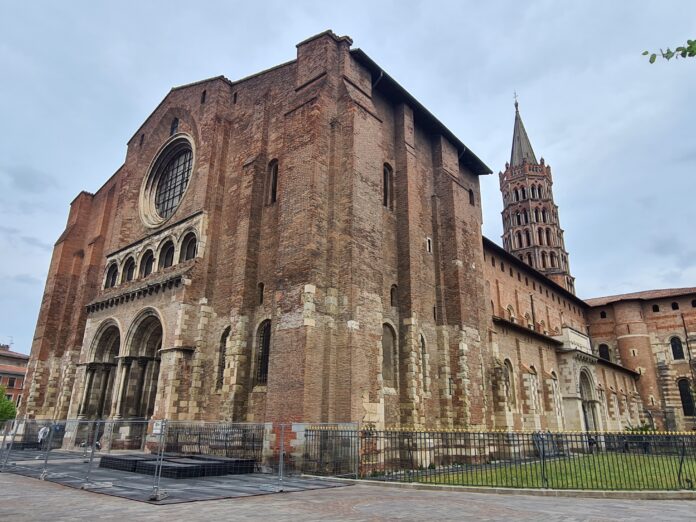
(531, 229)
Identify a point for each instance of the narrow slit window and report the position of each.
(272, 182)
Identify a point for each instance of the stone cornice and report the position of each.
(132, 294)
(525, 330)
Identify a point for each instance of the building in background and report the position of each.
(304, 244)
(13, 368)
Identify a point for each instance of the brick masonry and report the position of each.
(481, 339)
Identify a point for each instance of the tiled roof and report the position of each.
(645, 295)
(14, 355)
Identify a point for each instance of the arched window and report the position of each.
(677, 348)
(424, 363)
(656, 308)
(147, 263)
(272, 191)
(111, 276)
(554, 259)
(166, 257)
(675, 306)
(261, 289)
(548, 237)
(543, 260)
(603, 350)
(528, 237)
(174, 128)
(518, 237)
(687, 398)
(518, 218)
(540, 233)
(394, 295)
(523, 193)
(602, 315)
(472, 198)
(517, 195)
(525, 216)
(129, 270)
(388, 186)
(203, 96)
(221, 359)
(543, 215)
(536, 215)
(389, 357)
(534, 192)
(529, 259)
(188, 247)
(263, 351)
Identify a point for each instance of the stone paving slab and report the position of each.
(23, 499)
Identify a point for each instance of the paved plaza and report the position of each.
(23, 498)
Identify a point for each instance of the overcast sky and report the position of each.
(78, 78)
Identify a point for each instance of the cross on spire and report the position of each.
(515, 96)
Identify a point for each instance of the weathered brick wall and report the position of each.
(640, 338)
(327, 252)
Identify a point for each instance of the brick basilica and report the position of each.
(305, 244)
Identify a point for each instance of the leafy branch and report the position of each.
(683, 51)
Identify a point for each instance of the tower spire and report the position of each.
(531, 229)
(521, 146)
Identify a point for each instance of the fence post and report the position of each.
(91, 456)
(156, 493)
(282, 457)
(681, 465)
(544, 479)
(9, 449)
(52, 429)
(357, 451)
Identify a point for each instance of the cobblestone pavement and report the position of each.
(23, 498)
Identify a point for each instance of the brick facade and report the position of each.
(338, 226)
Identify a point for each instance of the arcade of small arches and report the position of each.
(151, 259)
(521, 193)
(547, 260)
(521, 216)
(121, 373)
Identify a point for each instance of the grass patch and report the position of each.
(603, 471)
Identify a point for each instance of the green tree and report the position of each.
(7, 407)
(683, 51)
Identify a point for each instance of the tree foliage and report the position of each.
(7, 407)
(683, 51)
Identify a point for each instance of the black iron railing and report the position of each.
(603, 461)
